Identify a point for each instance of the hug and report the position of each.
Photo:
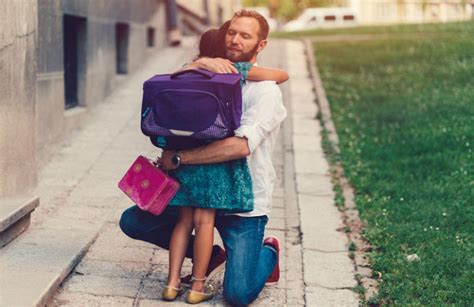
(225, 183)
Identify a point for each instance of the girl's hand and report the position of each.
(165, 160)
(217, 65)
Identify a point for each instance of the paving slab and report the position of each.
(278, 213)
(320, 220)
(155, 303)
(308, 143)
(303, 86)
(328, 270)
(310, 162)
(314, 184)
(306, 127)
(316, 296)
(302, 100)
(109, 252)
(90, 300)
(105, 268)
(276, 224)
(41, 250)
(104, 285)
(305, 109)
(152, 288)
(278, 202)
(16, 293)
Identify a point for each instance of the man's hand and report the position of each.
(165, 160)
(217, 65)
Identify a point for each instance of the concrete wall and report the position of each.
(17, 97)
(227, 7)
(214, 9)
(97, 69)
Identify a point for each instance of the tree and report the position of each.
(289, 9)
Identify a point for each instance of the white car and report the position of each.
(328, 17)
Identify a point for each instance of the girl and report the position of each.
(225, 186)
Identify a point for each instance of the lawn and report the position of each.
(426, 29)
(404, 111)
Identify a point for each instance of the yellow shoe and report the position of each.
(195, 297)
(171, 293)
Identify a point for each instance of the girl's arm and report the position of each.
(258, 73)
(217, 65)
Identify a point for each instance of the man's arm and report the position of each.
(231, 148)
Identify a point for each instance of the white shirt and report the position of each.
(263, 113)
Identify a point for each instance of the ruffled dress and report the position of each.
(225, 186)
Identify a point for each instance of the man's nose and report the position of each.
(235, 39)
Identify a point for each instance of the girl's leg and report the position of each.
(178, 245)
(203, 240)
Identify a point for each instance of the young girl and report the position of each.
(225, 186)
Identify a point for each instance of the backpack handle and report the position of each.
(206, 73)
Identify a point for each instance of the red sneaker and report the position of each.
(216, 265)
(275, 244)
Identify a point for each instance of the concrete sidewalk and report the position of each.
(75, 240)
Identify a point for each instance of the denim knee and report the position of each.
(125, 224)
(235, 297)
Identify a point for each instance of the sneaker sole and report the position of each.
(278, 260)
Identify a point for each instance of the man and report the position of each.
(249, 264)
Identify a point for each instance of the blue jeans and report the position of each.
(248, 265)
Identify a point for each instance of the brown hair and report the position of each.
(262, 22)
(212, 42)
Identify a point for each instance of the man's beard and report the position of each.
(242, 57)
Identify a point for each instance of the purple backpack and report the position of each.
(191, 105)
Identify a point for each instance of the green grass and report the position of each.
(435, 28)
(404, 112)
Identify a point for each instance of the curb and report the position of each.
(349, 212)
(51, 289)
(292, 210)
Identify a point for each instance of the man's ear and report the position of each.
(261, 45)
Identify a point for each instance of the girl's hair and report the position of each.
(212, 43)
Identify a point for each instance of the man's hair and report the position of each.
(262, 22)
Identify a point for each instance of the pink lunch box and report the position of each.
(148, 186)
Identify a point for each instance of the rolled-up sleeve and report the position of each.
(261, 117)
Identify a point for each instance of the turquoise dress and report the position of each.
(225, 186)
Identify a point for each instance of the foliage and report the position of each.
(289, 9)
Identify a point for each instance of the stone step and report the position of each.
(15, 216)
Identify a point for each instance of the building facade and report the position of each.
(18, 24)
(411, 11)
(84, 48)
(58, 60)
(215, 12)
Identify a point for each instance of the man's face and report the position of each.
(241, 40)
